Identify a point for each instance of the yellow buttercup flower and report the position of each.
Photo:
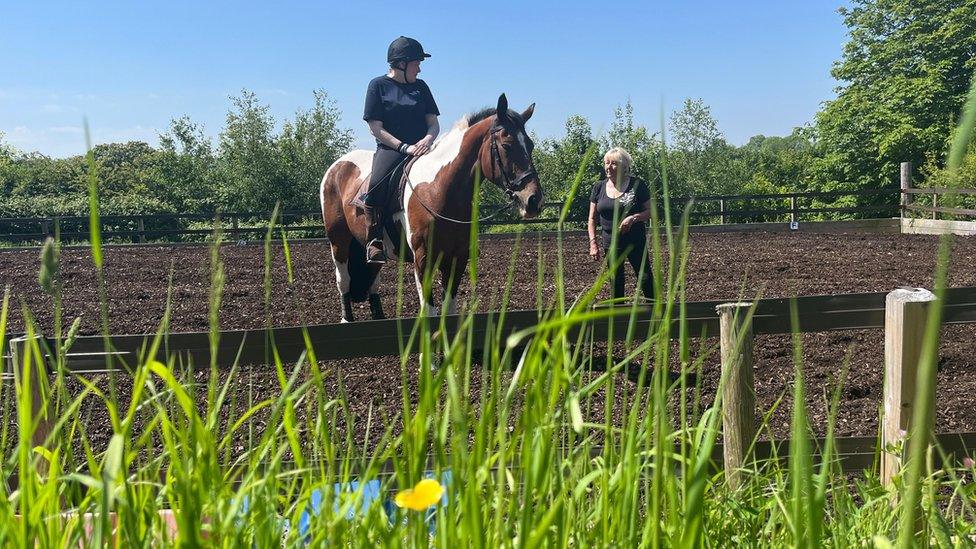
(425, 494)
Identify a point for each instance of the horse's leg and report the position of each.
(340, 256)
(451, 273)
(375, 304)
(419, 270)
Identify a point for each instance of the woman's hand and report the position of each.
(422, 147)
(627, 223)
(594, 251)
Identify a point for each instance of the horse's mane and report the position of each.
(469, 120)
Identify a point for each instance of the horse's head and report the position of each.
(506, 159)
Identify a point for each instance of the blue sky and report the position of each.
(130, 67)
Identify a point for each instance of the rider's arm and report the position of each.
(385, 137)
(433, 127)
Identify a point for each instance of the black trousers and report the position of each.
(636, 253)
(384, 161)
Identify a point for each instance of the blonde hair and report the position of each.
(624, 161)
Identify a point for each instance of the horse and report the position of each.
(436, 202)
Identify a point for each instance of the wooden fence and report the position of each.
(392, 337)
(718, 209)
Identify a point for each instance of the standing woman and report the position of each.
(402, 116)
(627, 199)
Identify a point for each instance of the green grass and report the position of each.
(536, 458)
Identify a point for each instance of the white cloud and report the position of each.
(75, 130)
(52, 108)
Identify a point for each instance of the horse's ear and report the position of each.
(527, 113)
(502, 109)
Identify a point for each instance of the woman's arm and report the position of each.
(385, 137)
(640, 216)
(591, 229)
(433, 128)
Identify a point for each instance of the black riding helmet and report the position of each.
(405, 49)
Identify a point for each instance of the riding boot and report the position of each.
(374, 248)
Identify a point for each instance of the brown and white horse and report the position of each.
(437, 203)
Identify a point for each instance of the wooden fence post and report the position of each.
(794, 215)
(905, 314)
(739, 391)
(906, 183)
(42, 416)
(721, 210)
(142, 229)
(935, 204)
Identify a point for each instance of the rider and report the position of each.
(402, 116)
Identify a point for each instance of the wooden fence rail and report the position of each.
(143, 228)
(389, 337)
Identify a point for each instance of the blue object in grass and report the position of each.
(370, 493)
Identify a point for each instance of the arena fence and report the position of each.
(704, 210)
(905, 202)
(900, 313)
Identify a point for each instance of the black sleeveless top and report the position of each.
(629, 203)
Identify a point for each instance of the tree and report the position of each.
(700, 161)
(259, 168)
(559, 160)
(307, 147)
(905, 72)
(251, 178)
(186, 168)
(644, 147)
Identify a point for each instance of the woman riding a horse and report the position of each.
(402, 116)
(433, 213)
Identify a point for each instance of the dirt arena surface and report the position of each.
(721, 266)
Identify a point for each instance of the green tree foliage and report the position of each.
(558, 160)
(252, 168)
(306, 148)
(700, 161)
(186, 168)
(645, 147)
(905, 74)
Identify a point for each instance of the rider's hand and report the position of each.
(594, 251)
(422, 147)
(626, 224)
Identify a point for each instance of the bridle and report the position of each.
(511, 186)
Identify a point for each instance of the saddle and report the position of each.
(393, 203)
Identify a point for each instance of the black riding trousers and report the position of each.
(384, 162)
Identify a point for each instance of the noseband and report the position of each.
(511, 186)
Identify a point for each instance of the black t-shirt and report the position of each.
(402, 108)
(630, 202)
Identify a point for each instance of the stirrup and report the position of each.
(379, 256)
(359, 202)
